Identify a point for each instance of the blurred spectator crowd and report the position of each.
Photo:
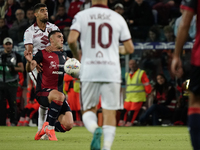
(148, 21)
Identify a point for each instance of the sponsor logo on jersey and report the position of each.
(53, 65)
(50, 56)
(38, 35)
(57, 72)
(45, 40)
(49, 30)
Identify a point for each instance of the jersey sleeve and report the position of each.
(190, 5)
(38, 57)
(76, 23)
(55, 27)
(28, 37)
(125, 33)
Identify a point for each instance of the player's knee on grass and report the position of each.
(66, 120)
(68, 123)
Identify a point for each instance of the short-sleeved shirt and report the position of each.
(37, 37)
(53, 72)
(194, 6)
(100, 29)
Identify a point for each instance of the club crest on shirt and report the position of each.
(99, 54)
(49, 30)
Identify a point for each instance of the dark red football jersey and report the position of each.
(53, 71)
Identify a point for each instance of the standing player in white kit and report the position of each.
(36, 38)
(100, 31)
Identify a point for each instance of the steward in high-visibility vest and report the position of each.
(135, 90)
(137, 87)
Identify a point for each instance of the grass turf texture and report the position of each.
(127, 138)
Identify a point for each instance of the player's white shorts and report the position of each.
(33, 75)
(109, 91)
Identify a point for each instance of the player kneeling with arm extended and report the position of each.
(50, 85)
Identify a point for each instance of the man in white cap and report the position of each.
(10, 65)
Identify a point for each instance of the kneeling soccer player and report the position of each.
(50, 85)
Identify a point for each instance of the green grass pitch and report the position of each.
(127, 138)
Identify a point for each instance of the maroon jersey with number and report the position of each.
(53, 72)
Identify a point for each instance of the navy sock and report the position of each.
(54, 111)
(59, 127)
(194, 126)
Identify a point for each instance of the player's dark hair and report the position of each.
(38, 6)
(53, 32)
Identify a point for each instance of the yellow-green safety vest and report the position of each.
(135, 91)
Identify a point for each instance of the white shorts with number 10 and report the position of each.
(109, 92)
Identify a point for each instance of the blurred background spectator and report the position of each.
(163, 100)
(11, 64)
(169, 34)
(16, 31)
(3, 30)
(140, 19)
(74, 8)
(2, 10)
(87, 4)
(112, 3)
(27, 4)
(154, 34)
(61, 19)
(10, 8)
(119, 8)
(30, 17)
(65, 3)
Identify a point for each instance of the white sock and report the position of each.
(27, 119)
(90, 121)
(109, 135)
(50, 127)
(42, 116)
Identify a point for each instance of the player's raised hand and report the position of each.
(49, 49)
(28, 55)
(176, 66)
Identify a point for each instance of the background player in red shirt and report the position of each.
(190, 8)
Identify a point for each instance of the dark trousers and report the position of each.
(156, 110)
(9, 92)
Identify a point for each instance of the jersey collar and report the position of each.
(37, 28)
(100, 5)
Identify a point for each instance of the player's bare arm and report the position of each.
(182, 36)
(29, 47)
(19, 68)
(127, 48)
(72, 41)
(31, 64)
